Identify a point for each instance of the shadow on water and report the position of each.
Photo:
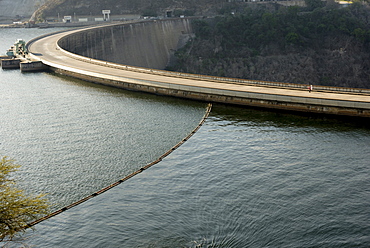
(278, 118)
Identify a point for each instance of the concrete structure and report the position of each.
(17, 58)
(31, 66)
(10, 63)
(58, 51)
(147, 44)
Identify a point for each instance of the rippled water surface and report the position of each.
(247, 178)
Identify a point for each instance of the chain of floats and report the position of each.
(209, 107)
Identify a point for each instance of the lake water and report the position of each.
(247, 178)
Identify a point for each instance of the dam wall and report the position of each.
(149, 44)
(225, 96)
(131, 56)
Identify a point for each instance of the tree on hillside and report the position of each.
(17, 208)
(314, 4)
(326, 46)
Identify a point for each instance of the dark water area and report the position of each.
(247, 178)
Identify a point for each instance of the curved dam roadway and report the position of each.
(195, 87)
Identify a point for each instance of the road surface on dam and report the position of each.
(48, 51)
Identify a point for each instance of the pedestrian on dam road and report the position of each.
(310, 88)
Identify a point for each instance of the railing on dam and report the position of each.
(214, 79)
(269, 83)
(265, 94)
(217, 79)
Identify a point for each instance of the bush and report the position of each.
(16, 208)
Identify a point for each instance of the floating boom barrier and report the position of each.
(29, 225)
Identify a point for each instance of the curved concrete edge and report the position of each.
(318, 88)
(214, 94)
(292, 103)
(298, 104)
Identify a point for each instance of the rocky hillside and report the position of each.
(16, 9)
(117, 7)
(324, 46)
(321, 43)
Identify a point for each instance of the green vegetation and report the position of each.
(179, 12)
(149, 12)
(144, 7)
(239, 45)
(321, 43)
(17, 208)
(287, 26)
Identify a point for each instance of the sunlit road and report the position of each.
(47, 51)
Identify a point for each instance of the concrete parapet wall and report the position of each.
(291, 103)
(137, 55)
(146, 44)
(29, 66)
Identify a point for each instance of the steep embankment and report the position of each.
(13, 9)
(327, 46)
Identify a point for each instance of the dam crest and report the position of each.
(133, 55)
